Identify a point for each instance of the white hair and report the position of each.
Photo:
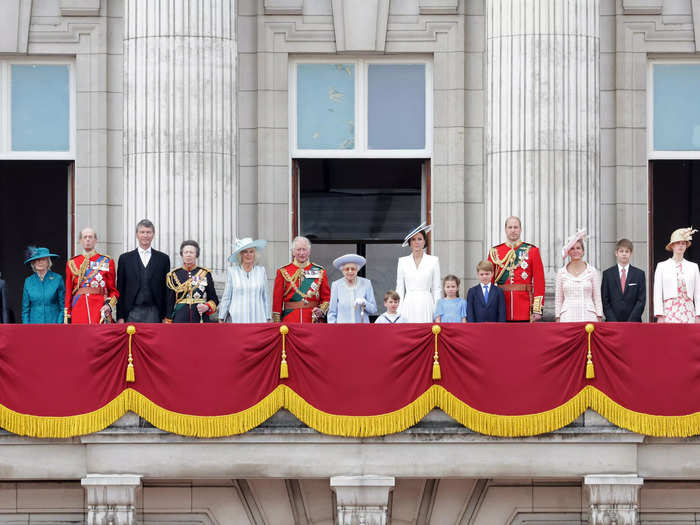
(82, 232)
(301, 238)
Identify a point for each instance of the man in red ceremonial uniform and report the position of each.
(301, 293)
(91, 292)
(520, 274)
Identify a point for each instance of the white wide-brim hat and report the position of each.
(243, 244)
(349, 258)
(681, 234)
(424, 227)
(569, 243)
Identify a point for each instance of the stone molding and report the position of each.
(613, 498)
(438, 7)
(80, 7)
(111, 499)
(362, 500)
(284, 7)
(642, 7)
(16, 39)
(360, 26)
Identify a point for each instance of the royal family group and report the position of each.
(143, 287)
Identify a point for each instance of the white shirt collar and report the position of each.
(620, 268)
(488, 286)
(142, 251)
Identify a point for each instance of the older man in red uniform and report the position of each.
(301, 293)
(91, 292)
(519, 272)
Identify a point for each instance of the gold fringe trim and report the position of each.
(350, 426)
(360, 426)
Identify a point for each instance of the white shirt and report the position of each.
(485, 288)
(626, 268)
(145, 255)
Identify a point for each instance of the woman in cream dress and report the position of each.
(677, 283)
(418, 279)
(577, 293)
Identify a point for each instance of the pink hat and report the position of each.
(569, 243)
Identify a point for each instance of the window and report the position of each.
(361, 108)
(674, 116)
(36, 109)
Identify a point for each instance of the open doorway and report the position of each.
(363, 206)
(675, 203)
(34, 210)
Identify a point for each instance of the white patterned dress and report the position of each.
(246, 298)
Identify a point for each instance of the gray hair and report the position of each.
(82, 232)
(145, 223)
(301, 238)
(31, 263)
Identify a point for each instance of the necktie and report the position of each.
(623, 279)
(486, 294)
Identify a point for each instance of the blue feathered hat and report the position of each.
(37, 252)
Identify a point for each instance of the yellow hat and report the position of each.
(681, 234)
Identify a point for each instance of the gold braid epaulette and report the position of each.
(505, 264)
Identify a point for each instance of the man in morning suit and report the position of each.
(486, 303)
(301, 293)
(519, 272)
(141, 279)
(624, 290)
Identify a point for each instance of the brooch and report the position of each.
(523, 264)
(524, 275)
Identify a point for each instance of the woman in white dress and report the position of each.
(577, 290)
(677, 283)
(418, 279)
(352, 297)
(246, 298)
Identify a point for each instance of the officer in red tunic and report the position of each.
(520, 274)
(301, 293)
(91, 292)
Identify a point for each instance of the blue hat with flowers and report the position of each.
(37, 252)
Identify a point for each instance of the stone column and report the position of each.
(613, 499)
(362, 500)
(542, 144)
(111, 499)
(180, 124)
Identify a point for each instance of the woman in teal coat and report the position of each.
(44, 291)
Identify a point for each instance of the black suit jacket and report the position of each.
(4, 316)
(128, 280)
(480, 312)
(628, 306)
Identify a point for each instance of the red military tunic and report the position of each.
(518, 270)
(298, 291)
(90, 283)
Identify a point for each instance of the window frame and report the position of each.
(6, 152)
(361, 149)
(652, 153)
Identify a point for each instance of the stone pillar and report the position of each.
(362, 500)
(542, 146)
(180, 124)
(613, 499)
(111, 499)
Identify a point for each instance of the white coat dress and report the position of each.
(418, 287)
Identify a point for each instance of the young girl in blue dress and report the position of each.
(451, 308)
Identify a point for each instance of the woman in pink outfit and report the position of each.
(577, 290)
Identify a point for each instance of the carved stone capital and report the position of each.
(111, 499)
(362, 500)
(614, 499)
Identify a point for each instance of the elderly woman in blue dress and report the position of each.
(352, 297)
(44, 291)
(246, 298)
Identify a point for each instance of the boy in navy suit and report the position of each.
(624, 289)
(486, 303)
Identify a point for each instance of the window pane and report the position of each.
(676, 107)
(40, 108)
(354, 199)
(396, 106)
(326, 106)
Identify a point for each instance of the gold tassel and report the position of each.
(130, 377)
(590, 371)
(437, 375)
(284, 370)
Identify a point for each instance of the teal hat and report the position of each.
(37, 252)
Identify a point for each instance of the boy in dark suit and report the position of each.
(624, 290)
(486, 303)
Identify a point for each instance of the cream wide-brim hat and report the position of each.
(680, 235)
